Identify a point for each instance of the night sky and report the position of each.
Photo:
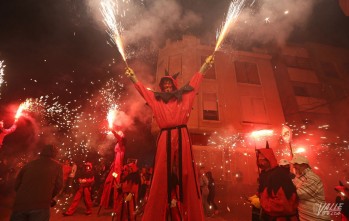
(60, 48)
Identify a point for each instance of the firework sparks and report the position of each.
(2, 67)
(232, 16)
(114, 28)
(22, 107)
(111, 116)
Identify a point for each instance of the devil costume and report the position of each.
(174, 155)
(278, 196)
(113, 179)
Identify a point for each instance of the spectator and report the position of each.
(204, 191)
(212, 192)
(70, 180)
(66, 172)
(310, 190)
(36, 185)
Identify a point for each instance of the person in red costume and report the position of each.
(4, 132)
(277, 193)
(129, 191)
(171, 108)
(112, 182)
(85, 179)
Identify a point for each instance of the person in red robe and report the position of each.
(131, 180)
(174, 157)
(276, 191)
(112, 182)
(4, 132)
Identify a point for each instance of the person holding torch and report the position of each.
(4, 132)
(171, 107)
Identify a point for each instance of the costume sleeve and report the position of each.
(58, 182)
(10, 130)
(195, 81)
(148, 95)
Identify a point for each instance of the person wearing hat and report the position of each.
(310, 190)
(276, 192)
(171, 108)
(85, 180)
(37, 183)
(343, 198)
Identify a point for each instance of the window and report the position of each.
(329, 69)
(300, 91)
(210, 73)
(253, 110)
(247, 73)
(210, 106)
(298, 62)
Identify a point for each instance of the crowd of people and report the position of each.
(292, 194)
(173, 188)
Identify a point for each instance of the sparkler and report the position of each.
(22, 107)
(114, 27)
(111, 116)
(232, 16)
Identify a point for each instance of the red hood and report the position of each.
(269, 154)
(174, 81)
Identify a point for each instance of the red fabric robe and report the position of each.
(169, 115)
(116, 167)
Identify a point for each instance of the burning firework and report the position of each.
(232, 16)
(2, 66)
(114, 28)
(23, 107)
(111, 116)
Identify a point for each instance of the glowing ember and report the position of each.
(114, 28)
(232, 16)
(300, 150)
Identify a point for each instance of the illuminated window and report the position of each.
(210, 106)
(247, 73)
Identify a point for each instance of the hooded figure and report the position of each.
(174, 158)
(112, 182)
(276, 191)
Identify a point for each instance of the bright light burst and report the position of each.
(114, 28)
(23, 107)
(111, 116)
(232, 16)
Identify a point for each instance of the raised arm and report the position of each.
(131, 75)
(207, 64)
